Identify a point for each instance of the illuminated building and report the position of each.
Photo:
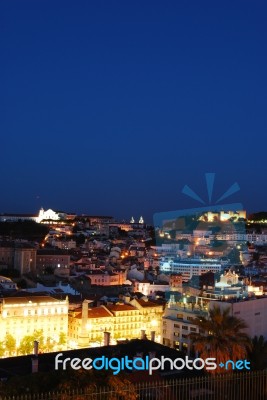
(42, 215)
(122, 321)
(141, 220)
(47, 215)
(106, 278)
(17, 217)
(176, 281)
(151, 313)
(21, 316)
(191, 266)
(137, 250)
(178, 323)
(223, 216)
(87, 325)
(179, 317)
(120, 225)
(149, 289)
(127, 321)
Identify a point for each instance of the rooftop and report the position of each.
(121, 307)
(29, 300)
(96, 312)
(148, 303)
(52, 252)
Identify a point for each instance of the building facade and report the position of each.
(52, 258)
(122, 321)
(252, 310)
(22, 316)
(19, 256)
(178, 323)
(189, 267)
(106, 278)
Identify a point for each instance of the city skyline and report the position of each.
(133, 208)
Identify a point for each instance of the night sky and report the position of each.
(111, 107)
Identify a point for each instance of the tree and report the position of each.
(10, 343)
(49, 345)
(27, 342)
(49, 270)
(62, 339)
(80, 240)
(258, 353)
(26, 345)
(221, 336)
(2, 349)
(39, 336)
(118, 385)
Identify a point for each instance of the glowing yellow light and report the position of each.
(89, 326)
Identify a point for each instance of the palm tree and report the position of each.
(221, 336)
(258, 353)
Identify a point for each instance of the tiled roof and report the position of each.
(52, 252)
(121, 307)
(148, 303)
(96, 312)
(29, 299)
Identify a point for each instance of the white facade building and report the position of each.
(191, 266)
(178, 323)
(252, 310)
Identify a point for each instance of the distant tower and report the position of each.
(141, 220)
(132, 220)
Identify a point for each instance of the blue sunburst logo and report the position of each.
(210, 177)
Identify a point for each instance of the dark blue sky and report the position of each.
(111, 107)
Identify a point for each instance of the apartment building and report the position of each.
(121, 320)
(22, 316)
(106, 278)
(252, 310)
(189, 267)
(52, 258)
(178, 323)
(18, 255)
(151, 313)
